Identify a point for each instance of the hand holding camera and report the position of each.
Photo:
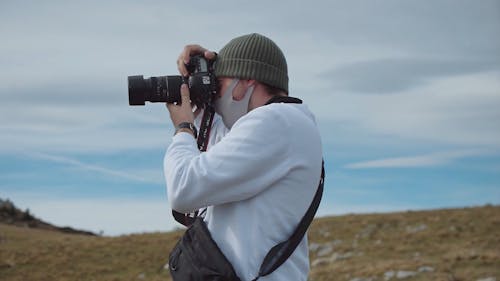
(199, 88)
(190, 51)
(181, 113)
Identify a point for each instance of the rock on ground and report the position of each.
(405, 274)
(487, 279)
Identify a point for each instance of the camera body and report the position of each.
(201, 81)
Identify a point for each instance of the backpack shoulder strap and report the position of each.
(282, 251)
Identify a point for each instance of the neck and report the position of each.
(261, 97)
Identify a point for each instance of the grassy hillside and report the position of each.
(458, 244)
(11, 215)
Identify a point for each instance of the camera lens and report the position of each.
(154, 89)
(136, 90)
(202, 86)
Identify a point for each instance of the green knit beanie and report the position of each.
(253, 56)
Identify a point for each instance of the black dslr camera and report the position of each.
(202, 85)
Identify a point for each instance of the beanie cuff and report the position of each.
(252, 69)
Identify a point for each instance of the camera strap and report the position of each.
(205, 127)
(282, 251)
(202, 141)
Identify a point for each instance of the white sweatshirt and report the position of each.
(257, 183)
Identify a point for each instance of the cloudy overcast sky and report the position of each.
(406, 95)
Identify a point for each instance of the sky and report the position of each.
(406, 95)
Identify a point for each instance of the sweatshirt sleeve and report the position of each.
(249, 159)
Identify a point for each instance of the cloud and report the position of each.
(426, 160)
(63, 82)
(391, 75)
(57, 128)
(457, 28)
(452, 110)
(126, 175)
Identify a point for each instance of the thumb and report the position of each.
(185, 99)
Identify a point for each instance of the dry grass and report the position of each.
(30, 254)
(459, 244)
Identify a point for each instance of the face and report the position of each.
(234, 99)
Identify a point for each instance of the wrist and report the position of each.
(187, 127)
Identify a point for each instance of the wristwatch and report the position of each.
(187, 125)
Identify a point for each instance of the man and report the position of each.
(259, 179)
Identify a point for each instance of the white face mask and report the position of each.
(229, 109)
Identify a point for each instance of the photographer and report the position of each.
(258, 181)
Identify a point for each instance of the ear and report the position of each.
(241, 89)
(250, 83)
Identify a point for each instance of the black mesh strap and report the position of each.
(282, 251)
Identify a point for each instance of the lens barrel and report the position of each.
(154, 89)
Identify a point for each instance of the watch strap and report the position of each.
(187, 125)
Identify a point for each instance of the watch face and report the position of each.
(187, 125)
